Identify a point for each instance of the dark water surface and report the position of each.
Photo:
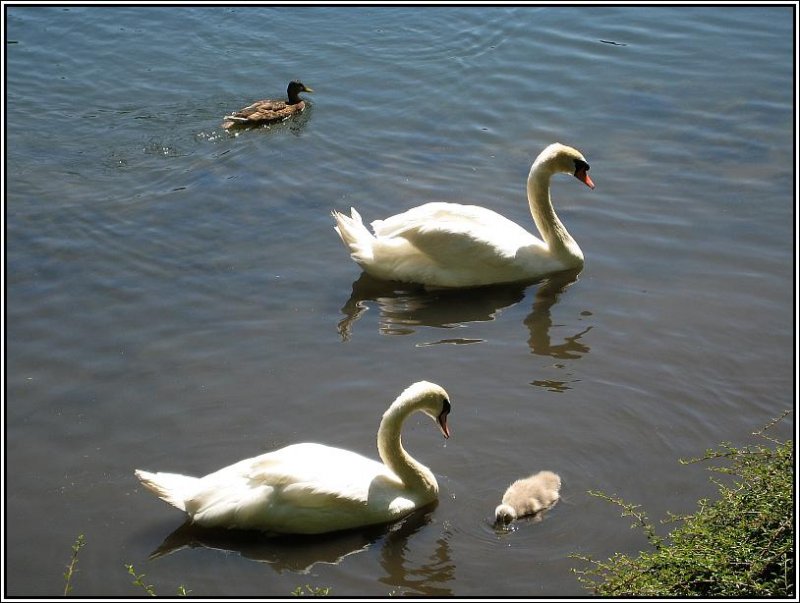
(177, 298)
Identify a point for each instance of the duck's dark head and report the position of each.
(294, 89)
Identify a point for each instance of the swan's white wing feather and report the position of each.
(298, 488)
(436, 228)
(314, 463)
(449, 244)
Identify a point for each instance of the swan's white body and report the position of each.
(529, 496)
(455, 245)
(312, 488)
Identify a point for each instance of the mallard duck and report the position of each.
(455, 245)
(313, 488)
(528, 496)
(268, 110)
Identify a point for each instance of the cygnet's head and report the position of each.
(560, 158)
(504, 515)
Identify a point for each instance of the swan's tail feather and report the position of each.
(169, 487)
(354, 235)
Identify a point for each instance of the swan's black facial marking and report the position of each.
(582, 172)
(581, 166)
(442, 418)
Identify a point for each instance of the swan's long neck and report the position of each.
(416, 477)
(559, 242)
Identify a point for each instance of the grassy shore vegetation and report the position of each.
(739, 545)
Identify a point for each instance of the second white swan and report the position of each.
(454, 245)
(312, 488)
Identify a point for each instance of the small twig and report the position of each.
(770, 425)
(138, 580)
(72, 568)
(630, 510)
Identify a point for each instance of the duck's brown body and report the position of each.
(268, 110)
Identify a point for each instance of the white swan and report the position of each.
(454, 245)
(528, 496)
(312, 488)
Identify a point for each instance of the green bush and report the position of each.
(741, 544)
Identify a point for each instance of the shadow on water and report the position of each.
(403, 308)
(292, 553)
(298, 553)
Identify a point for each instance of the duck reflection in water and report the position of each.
(404, 308)
(298, 553)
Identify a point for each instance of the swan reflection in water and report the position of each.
(404, 308)
(298, 553)
(539, 321)
(430, 577)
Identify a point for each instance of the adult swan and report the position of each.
(454, 245)
(312, 488)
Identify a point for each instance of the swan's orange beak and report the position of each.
(442, 421)
(583, 176)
